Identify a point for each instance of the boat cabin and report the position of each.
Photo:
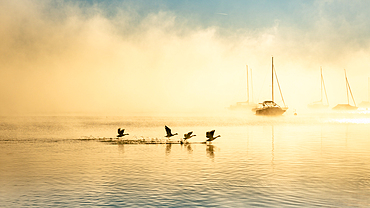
(269, 104)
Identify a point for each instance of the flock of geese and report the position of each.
(209, 134)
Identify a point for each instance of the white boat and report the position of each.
(270, 108)
(347, 106)
(246, 105)
(320, 104)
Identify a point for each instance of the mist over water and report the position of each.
(127, 57)
(73, 72)
(304, 160)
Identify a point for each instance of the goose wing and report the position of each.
(188, 135)
(119, 130)
(210, 134)
(168, 130)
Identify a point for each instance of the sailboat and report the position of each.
(366, 104)
(320, 104)
(347, 106)
(246, 105)
(270, 108)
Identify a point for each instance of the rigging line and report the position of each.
(345, 75)
(321, 85)
(352, 95)
(281, 94)
(349, 87)
(322, 77)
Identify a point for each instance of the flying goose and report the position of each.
(121, 132)
(168, 131)
(188, 135)
(210, 137)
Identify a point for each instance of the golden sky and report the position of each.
(157, 56)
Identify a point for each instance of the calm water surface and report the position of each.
(309, 160)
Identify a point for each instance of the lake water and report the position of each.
(309, 160)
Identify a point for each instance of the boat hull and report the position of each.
(345, 107)
(270, 111)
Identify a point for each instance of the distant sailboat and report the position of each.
(247, 105)
(347, 106)
(270, 108)
(366, 104)
(320, 104)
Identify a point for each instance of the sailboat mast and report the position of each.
(247, 86)
(272, 79)
(251, 87)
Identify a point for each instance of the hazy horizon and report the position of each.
(189, 56)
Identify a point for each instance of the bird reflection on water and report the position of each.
(168, 148)
(210, 149)
(188, 148)
(121, 148)
(311, 164)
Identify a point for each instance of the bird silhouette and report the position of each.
(121, 132)
(210, 137)
(168, 131)
(188, 135)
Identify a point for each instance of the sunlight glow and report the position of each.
(352, 120)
